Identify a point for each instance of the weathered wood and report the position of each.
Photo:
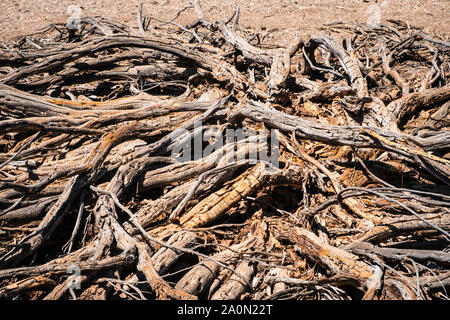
(404, 225)
(235, 286)
(334, 259)
(214, 206)
(165, 257)
(96, 173)
(401, 254)
(197, 280)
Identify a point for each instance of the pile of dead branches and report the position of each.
(99, 199)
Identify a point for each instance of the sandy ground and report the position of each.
(18, 17)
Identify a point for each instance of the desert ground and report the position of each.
(26, 16)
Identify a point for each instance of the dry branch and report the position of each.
(135, 156)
